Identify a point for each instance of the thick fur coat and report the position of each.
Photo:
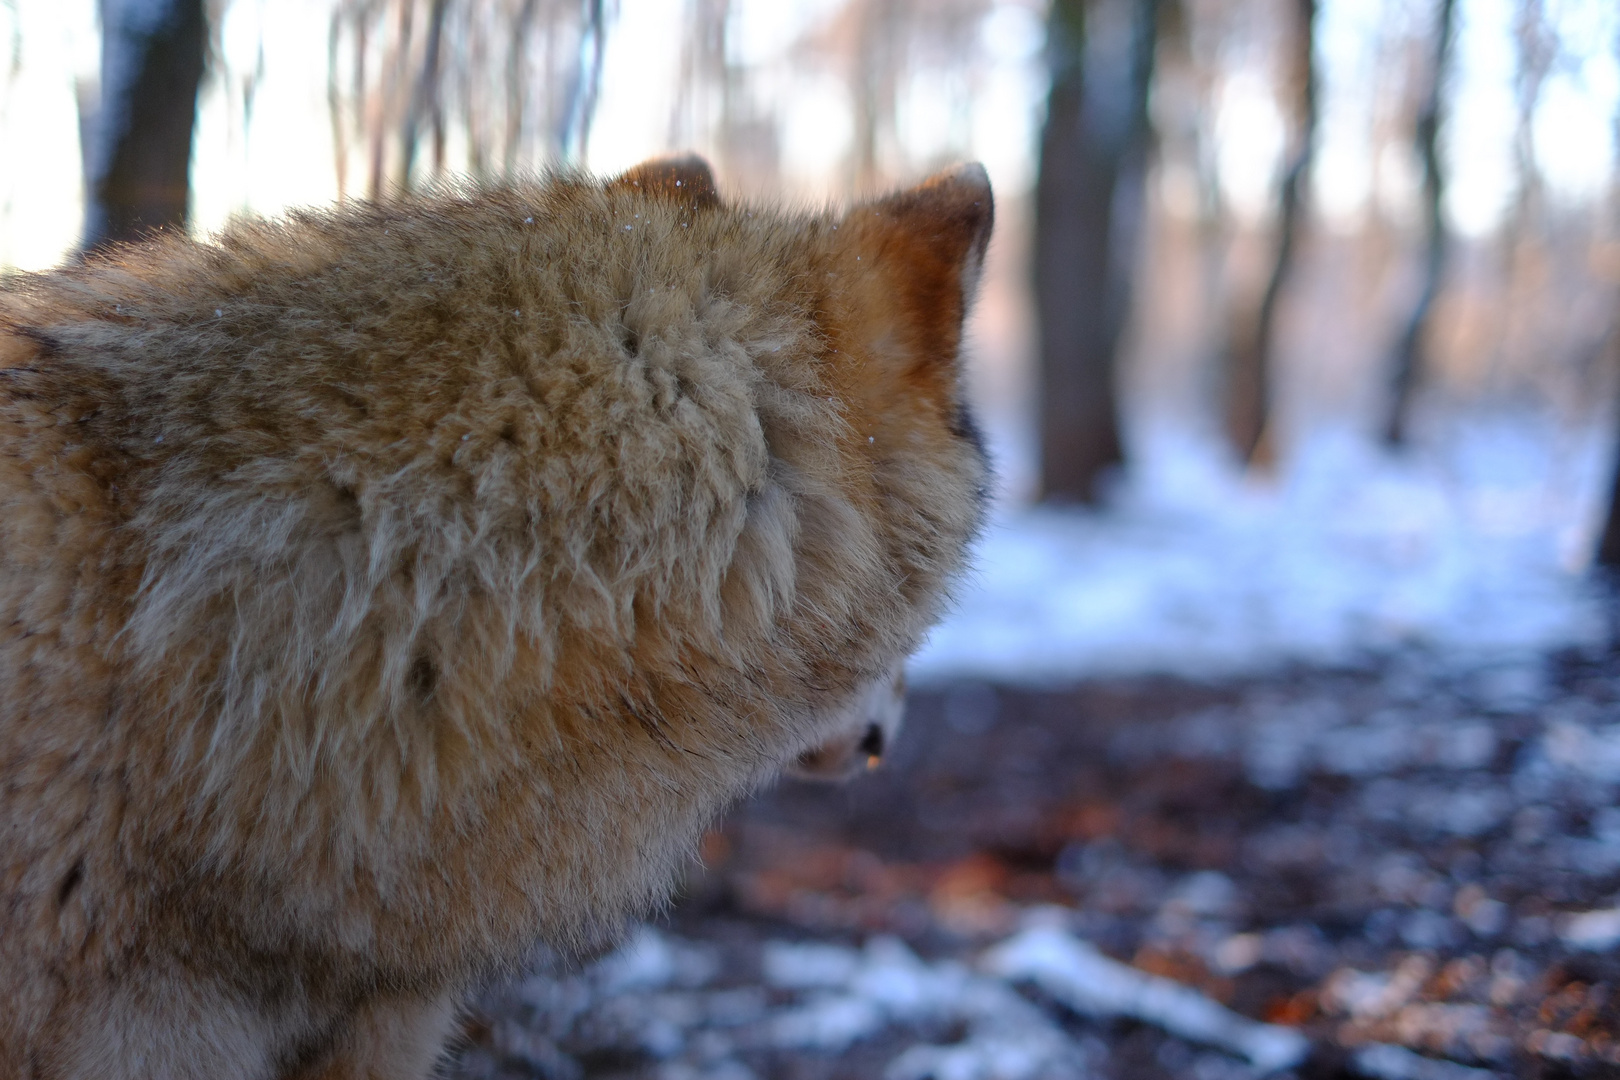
(387, 591)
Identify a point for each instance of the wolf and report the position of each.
(390, 591)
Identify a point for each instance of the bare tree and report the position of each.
(586, 87)
(1410, 350)
(1523, 244)
(137, 145)
(427, 101)
(1608, 549)
(1249, 349)
(877, 65)
(888, 41)
(1537, 46)
(1088, 212)
(704, 97)
(1607, 557)
(517, 78)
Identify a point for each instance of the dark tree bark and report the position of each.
(1409, 359)
(138, 147)
(427, 102)
(524, 77)
(1088, 213)
(1250, 346)
(575, 134)
(1607, 558)
(1608, 550)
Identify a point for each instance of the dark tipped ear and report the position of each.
(686, 178)
(913, 261)
(949, 216)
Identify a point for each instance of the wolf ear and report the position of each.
(685, 178)
(913, 260)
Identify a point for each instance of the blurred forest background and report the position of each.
(1240, 243)
(1298, 353)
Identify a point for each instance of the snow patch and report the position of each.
(1594, 931)
(1475, 550)
(1385, 1061)
(1084, 979)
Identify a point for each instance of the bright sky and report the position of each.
(284, 156)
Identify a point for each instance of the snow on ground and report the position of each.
(1473, 545)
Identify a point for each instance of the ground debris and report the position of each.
(1395, 872)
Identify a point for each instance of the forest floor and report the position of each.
(1403, 870)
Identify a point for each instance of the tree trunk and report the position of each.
(427, 101)
(138, 151)
(1088, 213)
(880, 30)
(1410, 351)
(1537, 48)
(1608, 550)
(575, 135)
(1250, 348)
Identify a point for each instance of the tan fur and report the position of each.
(388, 591)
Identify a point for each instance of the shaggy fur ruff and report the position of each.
(386, 592)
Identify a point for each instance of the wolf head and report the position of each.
(917, 259)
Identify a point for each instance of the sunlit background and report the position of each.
(965, 80)
(1479, 530)
(780, 97)
(1377, 803)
